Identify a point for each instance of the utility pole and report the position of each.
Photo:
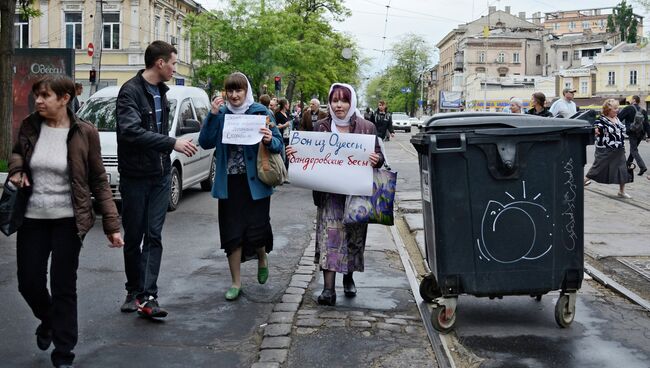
(97, 43)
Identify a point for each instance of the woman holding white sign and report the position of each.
(339, 246)
(244, 201)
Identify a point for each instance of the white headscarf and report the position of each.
(248, 101)
(353, 106)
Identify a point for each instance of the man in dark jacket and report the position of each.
(384, 122)
(312, 115)
(627, 116)
(143, 148)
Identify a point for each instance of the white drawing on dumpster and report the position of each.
(517, 231)
(569, 199)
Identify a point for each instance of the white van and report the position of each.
(188, 108)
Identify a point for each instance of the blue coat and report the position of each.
(210, 137)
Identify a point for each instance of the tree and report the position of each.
(623, 21)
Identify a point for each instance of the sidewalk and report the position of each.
(380, 327)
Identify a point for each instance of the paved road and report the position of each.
(520, 332)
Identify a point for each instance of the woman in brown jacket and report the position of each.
(340, 247)
(58, 157)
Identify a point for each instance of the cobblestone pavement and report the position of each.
(380, 327)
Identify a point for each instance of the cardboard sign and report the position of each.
(332, 162)
(242, 129)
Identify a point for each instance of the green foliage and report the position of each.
(411, 55)
(4, 166)
(623, 21)
(292, 39)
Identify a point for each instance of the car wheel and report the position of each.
(206, 185)
(176, 190)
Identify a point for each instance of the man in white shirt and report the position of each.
(564, 107)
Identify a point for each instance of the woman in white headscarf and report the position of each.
(244, 200)
(339, 246)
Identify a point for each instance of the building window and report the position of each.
(572, 25)
(501, 57)
(576, 55)
(601, 23)
(73, 30)
(585, 25)
(584, 87)
(556, 26)
(112, 31)
(21, 31)
(156, 28)
(611, 78)
(633, 77)
(568, 84)
(538, 59)
(546, 58)
(481, 57)
(167, 23)
(515, 57)
(565, 56)
(178, 45)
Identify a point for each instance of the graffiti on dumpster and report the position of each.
(569, 199)
(520, 230)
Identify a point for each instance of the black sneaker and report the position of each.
(130, 304)
(149, 308)
(43, 337)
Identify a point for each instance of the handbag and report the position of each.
(270, 166)
(377, 208)
(13, 204)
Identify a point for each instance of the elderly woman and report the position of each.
(538, 108)
(58, 156)
(516, 106)
(339, 246)
(609, 165)
(244, 201)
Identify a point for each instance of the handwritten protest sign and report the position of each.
(332, 162)
(242, 129)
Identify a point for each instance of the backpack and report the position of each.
(636, 126)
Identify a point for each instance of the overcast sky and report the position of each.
(432, 19)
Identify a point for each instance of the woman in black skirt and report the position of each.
(244, 201)
(609, 165)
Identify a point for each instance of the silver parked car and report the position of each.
(401, 121)
(188, 108)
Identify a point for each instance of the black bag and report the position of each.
(12, 207)
(630, 172)
(636, 126)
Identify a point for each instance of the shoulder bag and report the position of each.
(13, 204)
(270, 166)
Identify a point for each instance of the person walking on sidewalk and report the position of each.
(636, 132)
(58, 156)
(143, 149)
(244, 200)
(609, 165)
(383, 121)
(339, 246)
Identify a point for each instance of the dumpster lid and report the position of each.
(495, 120)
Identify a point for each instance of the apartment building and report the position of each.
(128, 26)
(593, 20)
(624, 71)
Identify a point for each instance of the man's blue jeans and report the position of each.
(144, 206)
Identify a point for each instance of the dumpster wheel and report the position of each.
(443, 318)
(429, 289)
(565, 309)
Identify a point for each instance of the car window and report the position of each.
(201, 110)
(185, 112)
(101, 112)
(400, 117)
(172, 111)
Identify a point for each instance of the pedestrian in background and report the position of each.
(283, 119)
(609, 165)
(369, 114)
(516, 106)
(627, 115)
(339, 246)
(564, 107)
(538, 105)
(297, 116)
(383, 121)
(75, 105)
(143, 149)
(244, 201)
(273, 105)
(312, 115)
(58, 156)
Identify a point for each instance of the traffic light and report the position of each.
(92, 77)
(278, 83)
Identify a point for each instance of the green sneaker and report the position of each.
(263, 272)
(232, 293)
